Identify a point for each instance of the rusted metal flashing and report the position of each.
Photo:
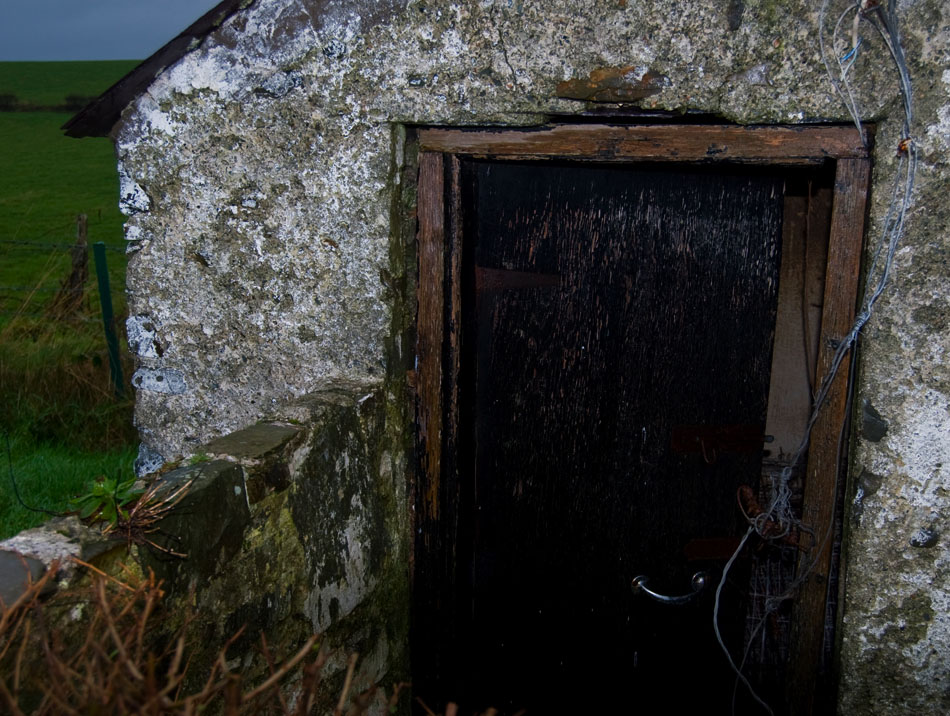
(614, 84)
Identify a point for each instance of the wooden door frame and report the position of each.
(438, 485)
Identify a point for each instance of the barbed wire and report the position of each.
(41, 289)
(43, 245)
(79, 318)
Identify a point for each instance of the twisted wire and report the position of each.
(884, 22)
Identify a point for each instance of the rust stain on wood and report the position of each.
(614, 84)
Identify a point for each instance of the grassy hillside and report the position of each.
(60, 410)
(49, 84)
(46, 179)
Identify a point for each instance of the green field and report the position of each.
(48, 476)
(46, 180)
(65, 423)
(49, 84)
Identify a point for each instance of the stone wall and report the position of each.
(290, 527)
(269, 196)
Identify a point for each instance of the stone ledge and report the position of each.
(255, 443)
(30, 553)
(263, 451)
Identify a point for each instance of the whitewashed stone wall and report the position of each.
(260, 172)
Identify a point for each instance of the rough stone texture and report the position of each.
(59, 541)
(147, 461)
(17, 573)
(207, 524)
(57, 545)
(321, 553)
(262, 175)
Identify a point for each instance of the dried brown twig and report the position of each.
(117, 660)
(144, 517)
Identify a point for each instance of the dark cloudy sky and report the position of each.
(92, 29)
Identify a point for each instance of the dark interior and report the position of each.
(617, 349)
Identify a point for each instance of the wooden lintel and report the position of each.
(666, 143)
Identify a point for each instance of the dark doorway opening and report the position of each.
(607, 335)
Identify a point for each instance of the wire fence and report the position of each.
(61, 289)
(48, 246)
(41, 270)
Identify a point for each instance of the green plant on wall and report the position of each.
(107, 499)
(199, 458)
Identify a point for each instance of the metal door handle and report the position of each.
(640, 584)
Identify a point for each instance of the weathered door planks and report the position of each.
(438, 348)
(660, 318)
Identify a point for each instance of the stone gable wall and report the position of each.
(268, 189)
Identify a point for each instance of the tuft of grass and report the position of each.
(56, 388)
(47, 476)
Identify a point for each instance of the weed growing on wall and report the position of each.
(47, 476)
(108, 499)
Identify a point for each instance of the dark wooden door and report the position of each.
(535, 500)
(615, 322)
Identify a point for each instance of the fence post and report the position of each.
(108, 320)
(68, 299)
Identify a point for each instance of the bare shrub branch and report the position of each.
(117, 660)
